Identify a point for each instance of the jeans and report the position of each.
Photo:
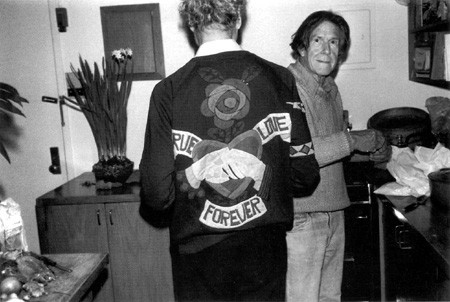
(315, 257)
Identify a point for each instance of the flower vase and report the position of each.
(113, 172)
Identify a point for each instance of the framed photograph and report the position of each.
(137, 27)
(434, 11)
(361, 19)
(422, 61)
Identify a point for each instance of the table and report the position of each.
(74, 286)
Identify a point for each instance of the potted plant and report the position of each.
(9, 99)
(104, 104)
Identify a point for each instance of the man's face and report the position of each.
(322, 55)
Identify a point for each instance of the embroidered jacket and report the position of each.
(226, 141)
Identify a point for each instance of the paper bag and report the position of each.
(12, 232)
(411, 168)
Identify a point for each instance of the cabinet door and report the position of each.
(139, 256)
(359, 280)
(77, 229)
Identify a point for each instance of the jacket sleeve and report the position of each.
(157, 166)
(304, 167)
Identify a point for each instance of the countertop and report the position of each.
(430, 222)
(82, 188)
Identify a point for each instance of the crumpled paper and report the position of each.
(411, 168)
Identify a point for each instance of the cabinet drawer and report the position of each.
(410, 272)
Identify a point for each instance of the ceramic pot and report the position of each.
(440, 188)
(115, 170)
(403, 126)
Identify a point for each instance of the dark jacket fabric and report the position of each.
(231, 106)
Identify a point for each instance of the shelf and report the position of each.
(425, 50)
(437, 83)
(440, 26)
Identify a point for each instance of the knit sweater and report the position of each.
(324, 113)
(220, 112)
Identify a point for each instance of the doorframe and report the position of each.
(68, 166)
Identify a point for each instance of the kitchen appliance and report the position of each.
(440, 188)
(404, 126)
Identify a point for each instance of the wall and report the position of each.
(26, 63)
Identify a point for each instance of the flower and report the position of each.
(121, 55)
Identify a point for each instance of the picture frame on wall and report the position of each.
(361, 19)
(431, 12)
(137, 27)
(422, 61)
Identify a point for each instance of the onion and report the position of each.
(10, 285)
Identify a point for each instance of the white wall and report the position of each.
(26, 63)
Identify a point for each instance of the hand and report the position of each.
(225, 164)
(245, 164)
(382, 154)
(367, 141)
(210, 167)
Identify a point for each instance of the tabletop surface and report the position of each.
(72, 286)
(82, 189)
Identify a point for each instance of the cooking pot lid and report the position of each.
(399, 118)
(442, 175)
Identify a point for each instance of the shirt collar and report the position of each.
(216, 46)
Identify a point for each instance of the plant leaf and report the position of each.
(8, 107)
(4, 152)
(12, 93)
(9, 96)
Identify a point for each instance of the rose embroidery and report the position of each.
(227, 100)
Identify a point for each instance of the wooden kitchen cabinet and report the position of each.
(77, 218)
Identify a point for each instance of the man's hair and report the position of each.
(301, 38)
(200, 14)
